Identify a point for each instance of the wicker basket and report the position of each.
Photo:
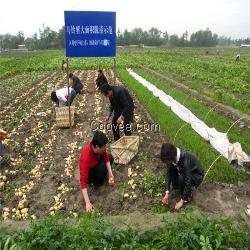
(125, 149)
(62, 116)
(90, 87)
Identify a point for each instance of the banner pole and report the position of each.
(67, 60)
(114, 70)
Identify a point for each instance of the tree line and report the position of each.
(47, 38)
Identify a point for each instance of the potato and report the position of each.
(24, 211)
(111, 180)
(20, 205)
(33, 217)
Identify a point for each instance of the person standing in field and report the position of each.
(64, 67)
(122, 104)
(184, 171)
(62, 95)
(95, 164)
(237, 57)
(101, 78)
(76, 83)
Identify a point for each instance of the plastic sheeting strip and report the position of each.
(218, 140)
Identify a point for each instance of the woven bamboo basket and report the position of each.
(90, 87)
(125, 149)
(62, 116)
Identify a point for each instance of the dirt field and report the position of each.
(54, 153)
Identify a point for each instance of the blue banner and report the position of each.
(90, 33)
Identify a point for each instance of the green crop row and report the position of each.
(176, 232)
(11, 64)
(219, 77)
(18, 84)
(170, 124)
(216, 76)
(212, 119)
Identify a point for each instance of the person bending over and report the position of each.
(62, 95)
(122, 104)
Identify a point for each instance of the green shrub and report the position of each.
(179, 231)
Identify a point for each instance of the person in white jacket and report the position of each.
(62, 95)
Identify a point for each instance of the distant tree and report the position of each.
(20, 37)
(222, 40)
(203, 38)
(183, 41)
(154, 37)
(33, 43)
(174, 40)
(119, 38)
(238, 42)
(137, 36)
(9, 41)
(165, 38)
(47, 38)
(61, 38)
(127, 37)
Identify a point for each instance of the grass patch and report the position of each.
(27, 166)
(153, 184)
(9, 191)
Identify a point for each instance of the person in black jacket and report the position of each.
(76, 83)
(183, 171)
(122, 104)
(101, 78)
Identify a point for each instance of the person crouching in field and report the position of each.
(62, 95)
(95, 164)
(184, 171)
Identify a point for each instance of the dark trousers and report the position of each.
(178, 180)
(98, 173)
(116, 128)
(79, 91)
(2, 147)
(71, 98)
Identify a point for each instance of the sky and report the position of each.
(229, 18)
